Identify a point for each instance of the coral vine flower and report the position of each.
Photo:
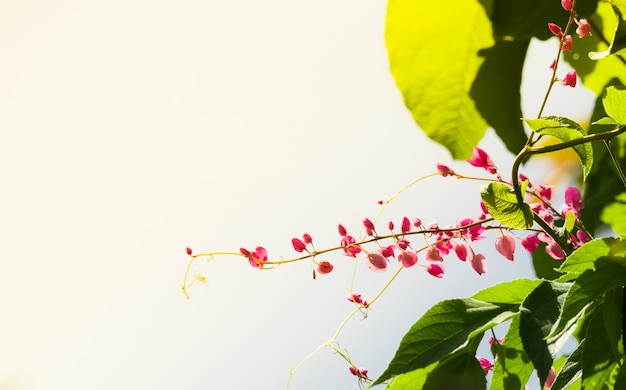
(376, 262)
(505, 245)
(406, 225)
(555, 30)
(349, 247)
(407, 258)
(342, 230)
(486, 364)
(530, 243)
(569, 80)
(307, 238)
(567, 43)
(444, 170)
(356, 298)
(387, 251)
(544, 192)
(359, 372)
(583, 29)
(573, 199)
(324, 267)
(566, 4)
(480, 159)
(298, 245)
(436, 269)
(550, 379)
(189, 251)
(433, 255)
(255, 258)
(462, 250)
(479, 263)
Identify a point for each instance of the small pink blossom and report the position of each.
(356, 298)
(444, 170)
(522, 178)
(484, 208)
(555, 251)
(390, 225)
(349, 246)
(486, 364)
(550, 379)
(480, 159)
(544, 192)
(406, 225)
(387, 251)
(306, 237)
(566, 4)
(582, 236)
(505, 245)
(573, 198)
(255, 258)
(436, 269)
(407, 258)
(553, 64)
(298, 245)
(462, 250)
(417, 223)
(583, 29)
(342, 230)
(432, 254)
(530, 243)
(567, 43)
(368, 224)
(479, 263)
(402, 243)
(376, 262)
(189, 251)
(324, 267)
(359, 372)
(555, 30)
(569, 80)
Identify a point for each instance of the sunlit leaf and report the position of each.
(502, 204)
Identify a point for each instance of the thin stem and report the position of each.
(615, 162)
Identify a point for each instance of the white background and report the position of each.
(132, 129)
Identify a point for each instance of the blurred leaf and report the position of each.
(615, 214)
(435, 81)
(513, 292)
(512, 367)
(544, 265)
(571, 371)
(584, 258)
(502, 204)
(445, 328)
(614, 102)
(618, 43)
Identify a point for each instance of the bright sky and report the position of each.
(132, 129)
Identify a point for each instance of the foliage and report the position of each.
(458, 66)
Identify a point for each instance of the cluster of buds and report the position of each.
(565, 40)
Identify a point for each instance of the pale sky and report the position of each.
(132, 129)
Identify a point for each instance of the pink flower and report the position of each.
(550, 379)
(402, 243)
(583, 29)
(530, 243)
(555, 30)
(376, 262)
(342, 230)
(368, 224)
(349, 247)
(436, 269)
(444, 170)
(189, 251)
(555, 251)
(567, 43)
(582, 236)
(407, 258)
(505, 245)
(306, 237)
(566, 4)
(569, 80)
(359, 372)
(432, 254)
(553, 64)
(462, 250)
(417, 223)
(387, 251)
(573, 198)
(480, 159)
(298, 245)
(479, 263)
(356, 298)
(255, 258)
(406, 225)
(544, 192)
(324, 267)
(486, 364)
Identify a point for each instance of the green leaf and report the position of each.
(609, 272)
(597, 74)
(456, 372)
(512, 367)
(502, 204)
(572, 369)
(496, 91)
(566, 130)
(570, 221)
(435, 81)
(538, 314)
(618, 42)
(513, 292)
(615, 214)
(584, 258)
(614, 102)
(601, 355)
(606, 121)
(445, 328)
(544, 265)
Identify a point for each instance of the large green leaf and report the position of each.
(513, 292)
(502, 204)
(601, 355)
(609, 272)
(512, 367)
(459, 371)
(614, 102)
(445, 328)
(434, 57)
(566, 130)
(584, 258)
(572, 369)
(538, 314)
(615, 214)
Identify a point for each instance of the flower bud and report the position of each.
(324, 267)
(189, 251)
(298, 245)
(376, 262)
(307, 238)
